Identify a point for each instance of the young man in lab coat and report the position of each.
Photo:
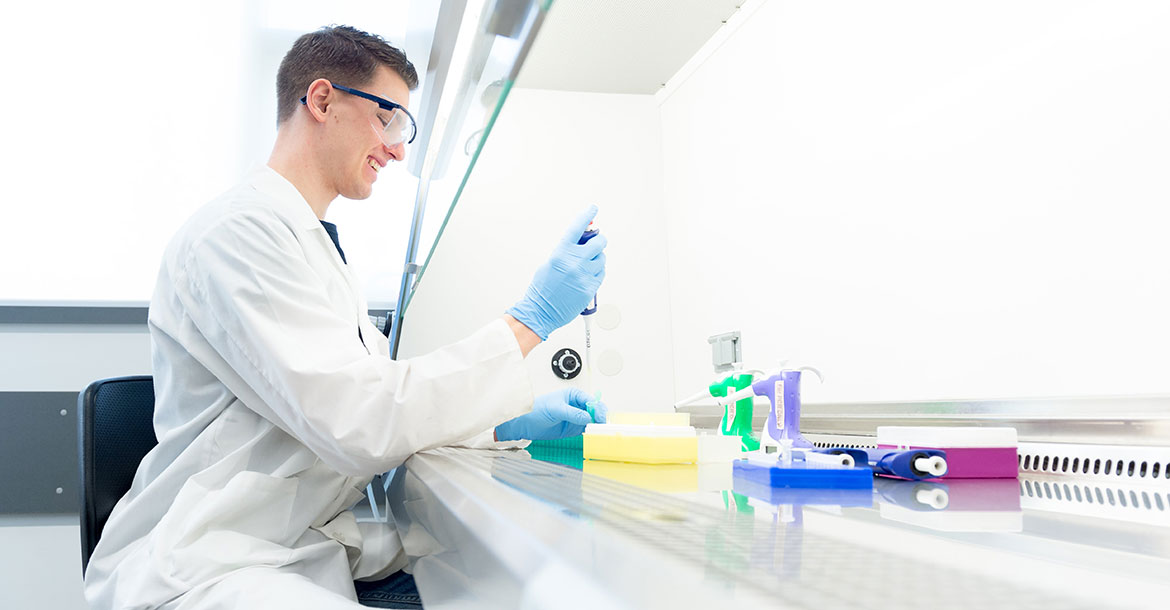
(276, 398)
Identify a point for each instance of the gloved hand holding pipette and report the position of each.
(567, 283)
(558, 414)
(560, 291)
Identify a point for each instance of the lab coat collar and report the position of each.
(289, 203)
(285, 196)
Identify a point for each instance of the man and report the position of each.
(276, 399)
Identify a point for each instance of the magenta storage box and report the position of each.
(972, 453)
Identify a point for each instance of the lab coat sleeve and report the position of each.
(287, 353)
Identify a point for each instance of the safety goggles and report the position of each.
(399, 128)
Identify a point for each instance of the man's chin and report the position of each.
(358, 195)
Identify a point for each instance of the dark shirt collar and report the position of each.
(331, 229)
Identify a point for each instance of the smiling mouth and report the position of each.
(373, 164)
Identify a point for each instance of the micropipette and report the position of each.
(913, 464)
(587, 315)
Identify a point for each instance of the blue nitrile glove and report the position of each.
(559, 414)
(564, 286)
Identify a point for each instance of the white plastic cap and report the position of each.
(935, 466)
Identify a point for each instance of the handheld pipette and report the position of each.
(783, 390)
(913, 464)
(587, 315)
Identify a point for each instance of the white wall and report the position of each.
(40, 555)
(133, 113)
(37, 358)
(40, 563)
(551, 154)
(926, 200)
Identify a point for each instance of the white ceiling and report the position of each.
(619, 46)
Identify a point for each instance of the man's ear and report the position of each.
(318, 98)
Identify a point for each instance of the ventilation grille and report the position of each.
(1121, 468)
(824, 441)
(1098, 462)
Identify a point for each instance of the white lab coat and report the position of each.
(272, 417)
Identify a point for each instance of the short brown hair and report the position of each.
(341, 54)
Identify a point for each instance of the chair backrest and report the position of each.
(115, 431)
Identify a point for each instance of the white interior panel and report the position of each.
(927, 200)
(41, 564)
(551, 155)
(618, 46)
(69, 358)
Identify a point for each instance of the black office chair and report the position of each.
(115, 431)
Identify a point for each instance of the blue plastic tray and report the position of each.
(802, 475)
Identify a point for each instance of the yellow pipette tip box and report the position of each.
(638, 418)
(640, 444)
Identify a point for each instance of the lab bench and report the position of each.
(506, 529)
(546, 529)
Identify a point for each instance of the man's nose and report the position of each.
(397, 151)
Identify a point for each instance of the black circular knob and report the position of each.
(566, 363)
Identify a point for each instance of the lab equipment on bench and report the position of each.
(726, 351)
(790, 468)
(737, 415)
(590, 232)
(587, 317)
(656, 444)
(828, 457)
(726, 355)
(971, 453)
(783, 422)
(913, 464)
(641, 444)
(799, 474)
(786, 459)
